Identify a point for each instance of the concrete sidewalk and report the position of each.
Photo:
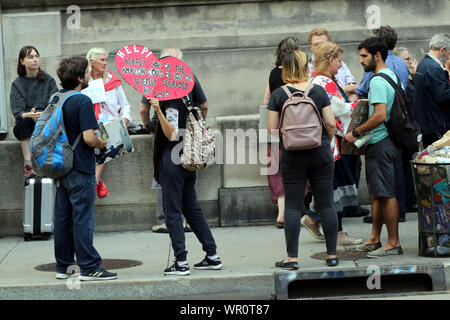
(248, 255)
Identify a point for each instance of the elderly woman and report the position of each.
(116, 105)
(315, 165)
(30, 93)
(327, 62)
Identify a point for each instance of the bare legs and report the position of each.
(385, 210)
(26, 150)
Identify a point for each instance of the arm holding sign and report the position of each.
(168, 129)
(378, 118)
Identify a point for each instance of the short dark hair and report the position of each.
(70, 69)
(286, 45)
(21, 71)
(388, 35)
(374, 45)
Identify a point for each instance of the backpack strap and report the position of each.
(288, 92)
(390, 81)
(63, 98)
(308, 89)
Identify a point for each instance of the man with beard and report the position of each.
(396, 64)
(75, 194)
(381, 153)
(432, 99)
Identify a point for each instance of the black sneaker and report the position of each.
(99, 276)
(208, 264)
(175, 269)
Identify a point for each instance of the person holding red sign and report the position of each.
(116, 105)
(178, 184)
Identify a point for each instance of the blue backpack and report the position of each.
(50, 149)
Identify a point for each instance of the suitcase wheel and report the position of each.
(26, 237)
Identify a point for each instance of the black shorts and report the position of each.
(380, 168)
(24, 129)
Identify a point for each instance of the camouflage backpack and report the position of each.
(199, 140)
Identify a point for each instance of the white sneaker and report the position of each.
(62, 276)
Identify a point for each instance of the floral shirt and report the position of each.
(342, 110)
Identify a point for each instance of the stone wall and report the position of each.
(229, 45)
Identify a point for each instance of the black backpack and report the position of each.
(402, 127)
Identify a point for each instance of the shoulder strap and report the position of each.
(308, 88)
(288, 92)
(63, 98)
(390, 81)
(76, 141)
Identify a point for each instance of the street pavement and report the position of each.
(248, 255)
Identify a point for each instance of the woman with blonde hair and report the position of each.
(114, 107)
(328, 60)
(315, 165)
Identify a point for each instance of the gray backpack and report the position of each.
(300, 121)
(50, 149)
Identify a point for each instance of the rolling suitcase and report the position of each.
(39, 206)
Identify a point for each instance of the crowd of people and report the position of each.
(314, 187)
(333, 177)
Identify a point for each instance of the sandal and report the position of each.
(288, 265)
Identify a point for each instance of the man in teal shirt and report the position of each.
(381, 153)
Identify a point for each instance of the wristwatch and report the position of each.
(355, 133)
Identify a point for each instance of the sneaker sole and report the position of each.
(86, 278)
(177, 273)
(160, 231)
(218, 267)
(61, 276)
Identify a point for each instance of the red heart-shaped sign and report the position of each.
(165, 79)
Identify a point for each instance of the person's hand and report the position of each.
(349, 137)
(413, 66)
(126, 121)
(35, 115)
(155, 103)
(101, 144)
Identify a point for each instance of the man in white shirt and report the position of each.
(344, 77)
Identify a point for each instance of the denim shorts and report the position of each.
(380, 168)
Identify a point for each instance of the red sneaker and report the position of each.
(101, 189)
(28, 172)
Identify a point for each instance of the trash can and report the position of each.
(433, 200)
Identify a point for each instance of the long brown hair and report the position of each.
(21, 71)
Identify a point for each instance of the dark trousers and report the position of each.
(410, 192)
(179, 198)
(296, 168)
(400, 187)
(74, 223)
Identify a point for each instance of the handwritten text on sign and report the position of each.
(165, 79)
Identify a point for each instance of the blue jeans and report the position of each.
(180, 198)
(74, 223)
